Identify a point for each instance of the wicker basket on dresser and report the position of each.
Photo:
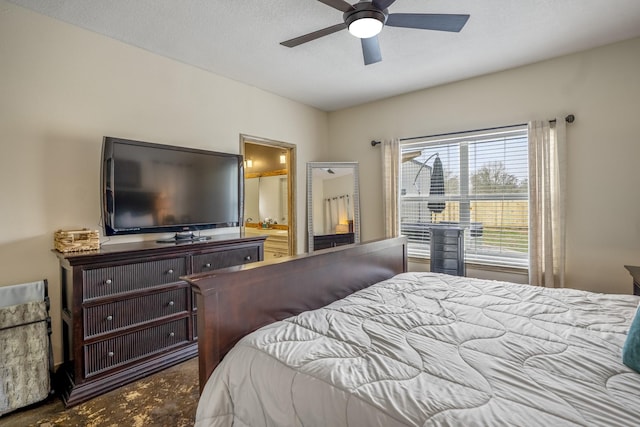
(126, 313)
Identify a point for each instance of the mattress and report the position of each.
(426, 349)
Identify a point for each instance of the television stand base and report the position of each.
(184, 238)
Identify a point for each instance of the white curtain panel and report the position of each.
(547, 184)
(343, 209)
(335, 213)
(390, 172)
(327, 217)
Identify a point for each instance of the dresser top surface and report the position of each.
(151, 247)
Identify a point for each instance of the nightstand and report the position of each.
(635, 273)
(447, 250)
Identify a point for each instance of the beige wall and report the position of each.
(601, 87)
(62, 89)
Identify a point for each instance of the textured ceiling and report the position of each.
(240, 40)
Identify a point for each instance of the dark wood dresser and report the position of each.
(635, 273)
(332, 240)
(126, 313)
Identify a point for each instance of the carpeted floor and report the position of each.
(167, 398)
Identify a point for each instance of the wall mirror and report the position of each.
(333, 204)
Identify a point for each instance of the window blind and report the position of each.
(485, 177)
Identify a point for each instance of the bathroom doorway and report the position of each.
(269, 187)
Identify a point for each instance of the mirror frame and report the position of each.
(356, 197)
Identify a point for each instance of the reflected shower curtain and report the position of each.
(547, 183)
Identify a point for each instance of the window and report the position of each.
(485, 191)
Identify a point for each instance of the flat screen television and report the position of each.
(154, 188)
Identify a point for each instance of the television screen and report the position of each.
(150, 188)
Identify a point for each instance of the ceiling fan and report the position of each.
(366, 19)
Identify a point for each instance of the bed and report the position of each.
(348, 337)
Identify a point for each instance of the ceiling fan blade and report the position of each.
(371, 50)
(428, 21)
(341, 5)
(383, 4)
(314, 35)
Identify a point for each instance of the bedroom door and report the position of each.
(269, 184)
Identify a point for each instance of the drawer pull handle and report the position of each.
(108, 281)
(171, 334)
(208, 265)
(110, 354)
(109, 318)
(171, 303)
(247, 258)
(170, 271)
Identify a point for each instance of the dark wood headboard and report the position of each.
(235, 301)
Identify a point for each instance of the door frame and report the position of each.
(291, 182)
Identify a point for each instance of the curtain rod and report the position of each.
(569, 119)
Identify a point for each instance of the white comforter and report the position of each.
(425, 349)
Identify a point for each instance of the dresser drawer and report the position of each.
(446, 240)
(100, 282)
(449, 247)
(447, 264)
(450, 271)
(128, 348)
(332, 240)
(221, 259)
(452, 232)
(110, 317)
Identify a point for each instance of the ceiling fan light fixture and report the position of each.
(367, 18)
(365, 28)
(365, 23)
